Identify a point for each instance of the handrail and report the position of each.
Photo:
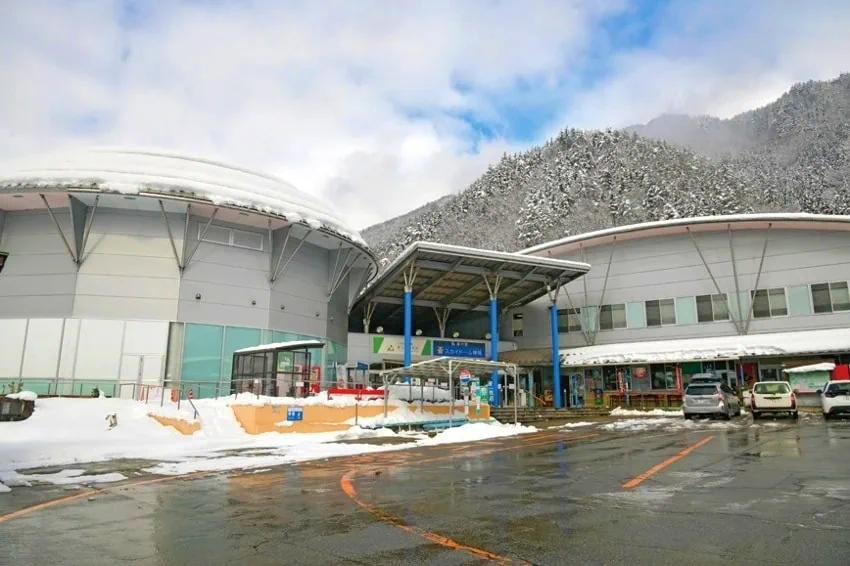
(194, 408)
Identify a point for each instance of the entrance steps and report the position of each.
(529, 415)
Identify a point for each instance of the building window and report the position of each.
(569, 320)
(230, 237)
(661, 312)
(3, 261)
(516, 324)
(711, 308)
(830, 297)
(768, 303)
(612, 316)
(663, 376)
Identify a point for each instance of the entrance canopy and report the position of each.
(443, 277)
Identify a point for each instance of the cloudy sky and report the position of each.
(383, 105)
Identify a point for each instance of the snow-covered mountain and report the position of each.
(792, 155)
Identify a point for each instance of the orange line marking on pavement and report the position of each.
(347, 486)
(639, 479)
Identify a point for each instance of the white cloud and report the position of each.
(353, 100)
(719, 57)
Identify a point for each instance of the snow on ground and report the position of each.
(23, 396)
(576, 425)
(621, 412)
(65, 432)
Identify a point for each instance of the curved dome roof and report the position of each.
(133, 171)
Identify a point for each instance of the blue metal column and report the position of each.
(408, 327)
(556, 354)
(494, 348)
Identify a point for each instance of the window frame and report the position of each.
(770, 314)
(231, 239)
(568, 312)
(829, 285)
(3, 258)
(711, 297)
(517, 332)
(660, 312)
(613, 325)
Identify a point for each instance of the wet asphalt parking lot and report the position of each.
(711, 493)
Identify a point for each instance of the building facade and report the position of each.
(660, 288)
(128, 267)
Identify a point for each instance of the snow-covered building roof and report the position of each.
(707, 349)
(291, 345)
(776, 221)
(166, 174)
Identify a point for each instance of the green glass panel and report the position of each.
(202, 353)
(236, 337)
(635, 315)
(686, 310)
(690, 368)
(798, 300)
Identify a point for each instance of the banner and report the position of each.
(395, 345)
(459, 349)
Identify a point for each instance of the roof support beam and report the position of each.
(281, 268)
(584, 332)
(87, 229)
(62, 235)
(758, 278)
(442, 319)
(432, 304)
(367, 316)
(472, 270)
(188, 259)
(604, 288)
(735, 275)
(177, 258)
(344, 271)
(737, 323)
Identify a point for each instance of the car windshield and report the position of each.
(701, 390)
(839, 388)
(772, 388)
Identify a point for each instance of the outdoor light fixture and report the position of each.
(198, 296)
(380, 330)
(488, 336)
(253, 302)
(283, 307)
(419, 332)
(456, 335)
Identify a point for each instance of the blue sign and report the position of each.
(294, 414)
(458, 349)
(362, 365)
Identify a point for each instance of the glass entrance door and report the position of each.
(577, 389)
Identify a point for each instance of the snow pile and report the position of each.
(621, 412)
(575, 425)
(23, 396)
(63, 477)
(477, 431)
(405, 414)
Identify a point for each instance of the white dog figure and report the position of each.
(112, 419)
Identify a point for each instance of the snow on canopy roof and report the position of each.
(826, 366)
(132, 171)
(292, 345)
(650, 229)
(707, 349)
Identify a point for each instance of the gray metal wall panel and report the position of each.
(39, 277)
(670, 267)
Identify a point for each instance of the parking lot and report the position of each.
(655, 492)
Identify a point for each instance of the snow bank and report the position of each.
(476, 431)
(63, 477)
(575, 425)
(23, 396)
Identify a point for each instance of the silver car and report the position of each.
(710, 399)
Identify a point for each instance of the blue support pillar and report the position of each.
(556, 354)
(408, 327)
(494, 348)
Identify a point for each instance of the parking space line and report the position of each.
(639, 479)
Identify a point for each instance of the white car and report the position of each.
(835, 398)
(773, 397)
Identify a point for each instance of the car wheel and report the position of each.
(727, 415)
(756, 416)
(827, 417)
(795, 415)
(687, 416)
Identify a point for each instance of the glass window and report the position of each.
(769, 303)
(705, 311)
(830, 297)
(661, 312)
(612, 316)
(247, 240)
(235, 338)
(215, 234)
(701, 390)
(720, 307)
(202, 352)
(772, 388)
(3, 261)
(516, 324)
(569, 320)
(609, 374)
(663, 376)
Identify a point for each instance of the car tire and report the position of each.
(687, 416)
(756, 416)
(727, 416)
(795, 415)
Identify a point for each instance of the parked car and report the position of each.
(773, 397)
(710, 399)
(835, 398)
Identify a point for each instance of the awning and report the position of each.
(528, 357)
(708, 349)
